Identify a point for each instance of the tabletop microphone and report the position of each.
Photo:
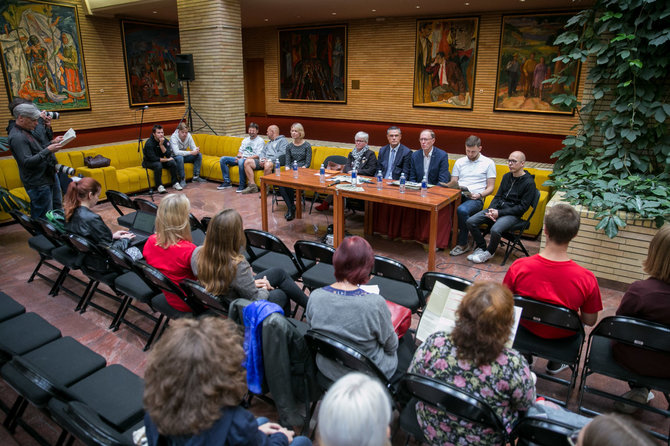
(334, 183)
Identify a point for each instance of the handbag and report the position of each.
(94, 162)
(401, 318)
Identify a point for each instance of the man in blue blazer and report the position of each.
(436, 159)
(394, 158)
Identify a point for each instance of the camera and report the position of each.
(67, 170)
(52, 114)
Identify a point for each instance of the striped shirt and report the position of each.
(302, 154)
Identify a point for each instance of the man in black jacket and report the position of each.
(158, 155)
(514, 197)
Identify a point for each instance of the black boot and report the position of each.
(290, 214)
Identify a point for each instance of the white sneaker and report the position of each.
(177, 186)
(477, 252)
(482, 257)
(161, 189)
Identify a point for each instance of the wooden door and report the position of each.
(254, 87)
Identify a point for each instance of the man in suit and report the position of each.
(429, 159)
(394, 158)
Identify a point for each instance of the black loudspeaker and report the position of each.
(185, 70)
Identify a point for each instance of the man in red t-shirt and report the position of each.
(551, 276)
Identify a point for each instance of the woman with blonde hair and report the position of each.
(194, 384)
(224, 272)
(473, 357)
(649, 300)
(170, 249)
(299, 151)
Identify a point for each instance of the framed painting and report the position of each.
(525, 62)
(42, 56)
(444, 66)
(149, 53)
(313, 64)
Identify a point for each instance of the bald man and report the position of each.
(273, 149)
(514, 197)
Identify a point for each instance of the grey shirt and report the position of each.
(275, 148)
(358, 317)
(243, 285)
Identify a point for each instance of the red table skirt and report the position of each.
(411, 224)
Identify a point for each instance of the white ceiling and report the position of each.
(256, 13)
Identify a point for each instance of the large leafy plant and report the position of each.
(619, 157)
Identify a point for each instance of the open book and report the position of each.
(440, 313)
(68, 136)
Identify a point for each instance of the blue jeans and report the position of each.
(44, 198)
(226, 161)
(501, 225)
(464, 211)
(297, 441)
(195, 159)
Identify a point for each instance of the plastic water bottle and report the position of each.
(424, 186)
(295, 169)
(380, 180)
(322, 174)
(403, 180)
(354, 177)
(277, 167)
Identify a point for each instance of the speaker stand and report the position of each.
(189, 112)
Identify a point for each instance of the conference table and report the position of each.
(436, 199)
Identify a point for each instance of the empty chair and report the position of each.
(146, 206)
(120, 200)
(9, 308)
(38, 242)
(23, 333)
(511, 238)
(320, 258)
(64, 254)
(335, 159)
(396, 283)
(278, 254)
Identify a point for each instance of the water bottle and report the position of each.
(354, 177)
(295, 169)
(277, 167)
(424, 186)
(322, 174)
(402, 183)
(380, 180)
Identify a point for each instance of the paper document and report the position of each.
(68, 136)
(370, 288)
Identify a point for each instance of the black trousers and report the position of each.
(158, 167)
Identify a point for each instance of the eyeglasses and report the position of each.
(359, 140)
(512, 161)
(573, 438)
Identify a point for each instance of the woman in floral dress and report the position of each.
(473, 358)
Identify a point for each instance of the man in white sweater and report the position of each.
(184, 150)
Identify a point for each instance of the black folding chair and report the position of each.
(511, 238)
(397, 284)
(636, 333)
(278, 255)
(197, 293)
(65, 254)
(562, 350)
(430, 277)
(146, 206)
(542, 430)
(163, 283)
(120, 200)
(337, 159)
(319, 257)
(39, 243)
(447, 398)
(9, 308)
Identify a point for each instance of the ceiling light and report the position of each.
(267, 20)
(467, 4)
(417, 6)
(155, 12)
(333, 13)
(374, 10)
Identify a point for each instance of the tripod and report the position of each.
(190, 110)
(139, 145)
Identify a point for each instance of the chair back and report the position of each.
(162, 282)
(315, 251)
(270, 242)
(392, 269)
(533, 208)
(120, 258)
(119, 200)
(454, 282)
(52, 233)
(455, 401)
(94, 261)
(25, 222)
(635, 332)
(337, 159)
(549, 314)
(197, 293)
(195, 223)
(146, 206)
(338, 350)
(538, 431)
(387, 273)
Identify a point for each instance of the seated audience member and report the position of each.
(473, 358)
(250, 148)
(355, 411)
(394, 157)
(222, 269)
(274, 149)
(611, 430)
(429, 161)
(514, 197)
(158, 155)
(170, 249)
(194, 384)
(345, 310)
(185, 151)
(299, 151)
(649, 300)
(81, 196)
(475, 174)
(552, 277)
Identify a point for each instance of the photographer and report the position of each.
(36, 160)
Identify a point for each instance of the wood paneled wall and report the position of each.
(381, 57)
(103, 56)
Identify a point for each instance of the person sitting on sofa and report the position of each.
(158, 155)
(185, 151)
(249, 149)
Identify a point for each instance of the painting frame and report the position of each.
(327, 47)
(149, 57)
(445, 59)
(522, 37)
(44, 61)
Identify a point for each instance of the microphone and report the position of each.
(334, 183)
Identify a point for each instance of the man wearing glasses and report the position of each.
(514, 197)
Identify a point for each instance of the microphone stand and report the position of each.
(139, 144)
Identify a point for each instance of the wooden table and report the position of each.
(435, 200)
